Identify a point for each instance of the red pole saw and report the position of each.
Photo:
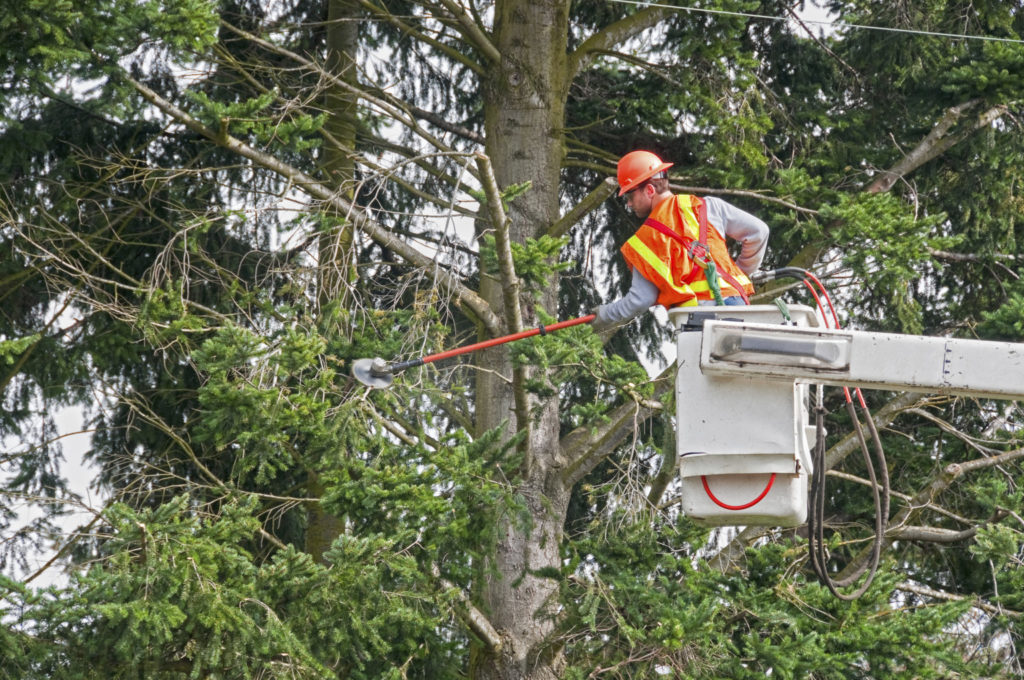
(377, 372)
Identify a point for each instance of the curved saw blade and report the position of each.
(373, 372)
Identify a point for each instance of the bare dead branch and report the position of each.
(615, 34)
(586, 446)
(927, 534)
(589, 203)
(446, 125)
(315, 189)
(936, 142)
(743, 193)
(472, 32)
(953, 597)
(473, 617)
(938, 509)
(942, 480)
(825, 48)
(503, 245)
(451, 53)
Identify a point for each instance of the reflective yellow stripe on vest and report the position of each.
(662, 269)
(691, 223)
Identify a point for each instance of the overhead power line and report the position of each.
(831, 24)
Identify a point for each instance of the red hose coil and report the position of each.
(707, 489)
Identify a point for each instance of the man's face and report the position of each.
(640, 200)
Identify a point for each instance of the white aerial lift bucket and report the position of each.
(743, 443)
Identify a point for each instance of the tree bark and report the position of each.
(335, 245)
(338, 163)
(525, 97)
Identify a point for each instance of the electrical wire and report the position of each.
(831, 24)
(877, 470)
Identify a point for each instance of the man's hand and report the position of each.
(601, 324)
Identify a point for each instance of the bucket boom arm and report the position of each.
(744, 435)
(913, 363)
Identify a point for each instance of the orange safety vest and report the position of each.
(663, 250)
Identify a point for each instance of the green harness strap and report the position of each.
(711, 274)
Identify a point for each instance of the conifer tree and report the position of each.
(212, 209)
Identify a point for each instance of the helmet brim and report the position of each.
(643, 177)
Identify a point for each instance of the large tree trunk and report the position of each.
(335, 246)
(525, 111)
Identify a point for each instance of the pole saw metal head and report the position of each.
(374, 372)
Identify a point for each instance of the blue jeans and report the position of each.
(731, 301)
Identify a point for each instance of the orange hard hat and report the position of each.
(636, 167)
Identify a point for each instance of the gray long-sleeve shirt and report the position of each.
(747, 230)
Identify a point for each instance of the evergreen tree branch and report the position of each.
(156, 421)
(934, 144)
(23, 357)
(615, 34)
(317, 190)
(374, 96)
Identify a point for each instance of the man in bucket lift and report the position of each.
(679, 255)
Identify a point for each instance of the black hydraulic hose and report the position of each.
(879, 478)
(818, 552)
